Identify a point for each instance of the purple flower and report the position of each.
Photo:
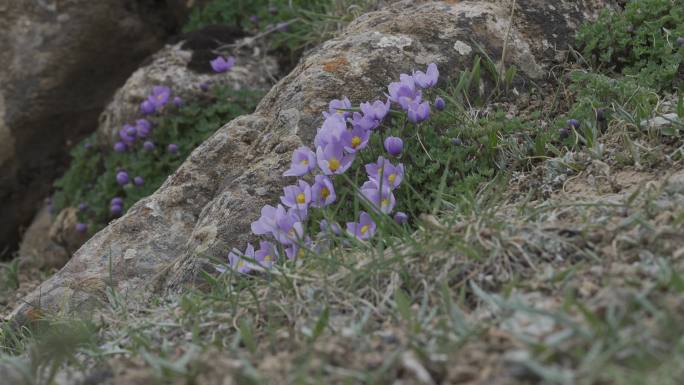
(439, 104)
(138, 181)
(172, 148)
(298, 250)
(355, 140)
(303, 161)
(391, 175)
(148, 145)
(378, 110)
(401, 218)
(332, 130)
(418, 112)
(381, 198)
(178, 102)
(282, 26)
(393, 145)
(122, 178)
(116, 210)
(332, 159)
(404, 92)
(88, 146)
(337, 106)
(254, 19)
(142, 128)
(574, 123)
(118, 201)
(147, 107)
(120, 147)
(680, 41)
(160, 96)
(127, 134)
(297, 196)
(289, 228)
(364, 228)
(429, 79)
(364, 121)
(326, 227)
(204, 86)
(81, 228)
(266, 255)
(266, 224)
(241, 262)
(222, 64)
(82, 206)
(323, 191)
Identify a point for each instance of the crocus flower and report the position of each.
(148, 145)
(88, 146)
(381, 198)
(364, 228)
(303, 161)
(418, 112)
(147, 107)
(401, 218)
(138, 181)
(427, 79)
(332, 130)
(81, 227)
(334, 228)
(222, 64)
(393, 145)
(204, 86)
(127, 134)
(456, 141)
(322, 191)
(298, 250)
(332, 159)
(160, 96)
(289, 228)
(439, 103)
(82, 206)
(116, 210)
(254, 19)
(117, 201)
(364, 121)
(574, 123)
(404, 92)
(238, 261)
(177, 101)
(122, 178)
(337, 106)
(120, 147)
(172, 148)
(266, 224)
(266, 255)
(142, 128)
(391, 175)
(680, 41)
(378, 110)
(297, 196)
(356, 140)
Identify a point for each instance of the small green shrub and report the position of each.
(91, 177)
(640, 41)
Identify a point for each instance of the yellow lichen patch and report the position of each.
(335, 65)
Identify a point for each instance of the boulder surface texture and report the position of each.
(60, 63)
(206, 207)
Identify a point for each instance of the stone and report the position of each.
(37, 249)
(205, 208)
(60, 63)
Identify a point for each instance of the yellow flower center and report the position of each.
(380, 171)
(301, 252)
(241, 264)
(364, 229)
(392, 177)
(268, 258)
(305, 162)
(301, 198)
(325, 192)
(333, 164)
(384, 202)
(355, 141)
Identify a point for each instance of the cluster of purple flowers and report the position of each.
(344, 133)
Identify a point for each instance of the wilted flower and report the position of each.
(120, 147)
(439, 103)
(266, 255)
(222, 64)
(303, 161)
(563, 133)
(323, 191)
(418, 112)
(147, 107)
(428, 79)
(138, 181)
(404, 92)
(238, 261)
(172, 148)
(364, 228)
(122, 178)
(143, 128)
(391, 175)
(393, 145)
(401, 218)
(297, 196)
(148, 145)
(160, 96)
(81, 227)
(332, 159)
(380, 197)
(378, 110)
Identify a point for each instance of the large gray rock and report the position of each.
(206, 207)
(60, 63)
